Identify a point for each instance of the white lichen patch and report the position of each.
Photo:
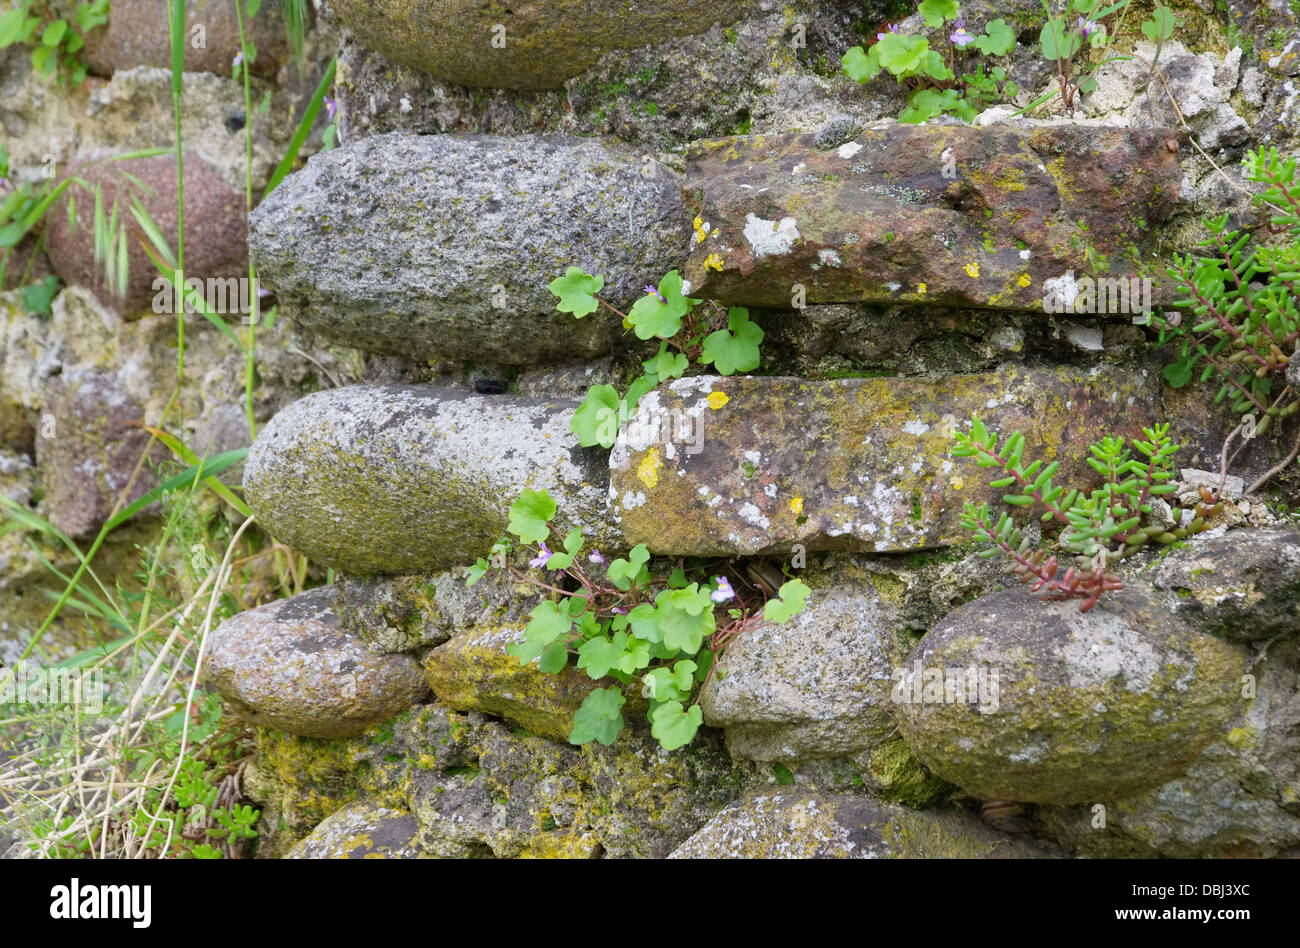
(848, 150)
(915, 427)
(770, 238)
(830, 258)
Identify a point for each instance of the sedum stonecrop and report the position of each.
(727, 340)
(619, 622)
(931, 74)
(1098, 528)
(1237, 319)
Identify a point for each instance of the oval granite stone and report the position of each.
(289, 666)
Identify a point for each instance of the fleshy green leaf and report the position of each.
(791, 599)
(530, 515)
(577, 291)
(546, 625)
(998, 39)
(666, 365)
(599, 718)
(734, 349)
(572, 544)
(652, 317)
(596, 421)
(673, 726)
(936, 11)
(598, 655)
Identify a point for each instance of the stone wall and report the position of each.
(897, 297)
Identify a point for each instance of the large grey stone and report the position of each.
(1242, 585)
(399, 479)
(794, 824)
(817, 686)
(1240, 799)
(289, 666)
(745, 465)
(521, 45)
(1071, 706)
(444, 245)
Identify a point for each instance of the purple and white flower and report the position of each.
(960, 37)
(889, 28)
(542, 557)
(724, 591)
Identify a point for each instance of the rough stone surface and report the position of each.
(817, 686)
(215, 228)
(474, 672)
(479, 788)
(134, 110)
(542, 45)
(1240, 799)
(362, 831)
(849, 463)
(794, 825)
(444, 245)
(1242, 585)
(1089, 706)
(134, 36)
(877, 219)
(398, 479)
(88, 445)
(288, 665)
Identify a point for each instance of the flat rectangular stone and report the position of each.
(949, 214)
(741, 466)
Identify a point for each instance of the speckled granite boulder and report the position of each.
(289, 666)
(738, 466)
(1243, 585)
(1065, 706)
(397, 479)
(939, 214)
(1241, 798)
(444, 245)
(520, 45)
(792, 824)
(362, 831)
(817, 686)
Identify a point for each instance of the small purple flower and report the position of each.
(889, 27)
(652, 291)
(331, 107)
(1087, 27)
(724, 590)
(960, 38)
(596, 558)
(619, 609)
(238, 60)
(5, 185)
(541, 557)
(262, 292)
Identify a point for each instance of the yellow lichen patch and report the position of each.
(920, 288)
(972, 270)
(648, 470)
(1024, 280)
(713, 262)
(796, 504)
(717, 399)
(956, 482)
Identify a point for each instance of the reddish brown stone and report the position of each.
(756, 465)
(136, 35)
(950, 214)
(216, 227)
